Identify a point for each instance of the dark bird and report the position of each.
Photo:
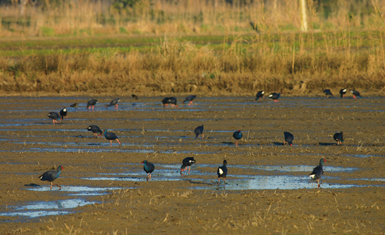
(169, 101)
(289, 137)
(222, 172)
(237, 135)
(135, 97)
(111, 136)
(95, 130)
(91, 104)
(259, 95)
(114, 102)
(342, 92)
(339, 137)
(54, 116)
(199, 131)
(318, 172)
(148, 167)
(274, 96)
(74, 105)
(187, 162)
(189, 99)
(355, 94)
(328, 93)
(51, 176)
(63, 113)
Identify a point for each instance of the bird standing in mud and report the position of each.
(355, 94)
(328, 93)
(274, 96)
(91, 104)
(169, 101)
(95, 130)
(51, 176)
(237, 135)
(114, 102)
(289, 137)
(222, 172)
(189, 99)
(63, 113)
(148, 167)
(318, 172)
(199, 131)
(54, 116)
(342, 92)
(339, 137)
(111, 136)
(259, 95)
(187, 162)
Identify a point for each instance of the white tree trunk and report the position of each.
(304, 16)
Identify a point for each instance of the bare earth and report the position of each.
(349, 201)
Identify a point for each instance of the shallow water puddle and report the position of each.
(264, 182)
(41, 208)
(76, 190)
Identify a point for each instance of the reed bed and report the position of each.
(148, 51)
(293, 63)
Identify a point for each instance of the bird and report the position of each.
(74, 105)
(355, 94)
(54, 116)
(148, 167)
(289, 137)
(318, 172)
(111, 136)
(95, 130)
(199, 131)
(169, 101)
(222, 172)
(63, 113)
(189, 99)
(187, 162)
(237, 135)
(135, 97)
(91, 104)
(342, 92)
(274, 96)
(339, 137)
(259, 95)
(328, 93)
(114, 102)
(51, 176)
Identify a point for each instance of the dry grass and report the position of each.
(276, 59)
(288, 63)
(48, 18)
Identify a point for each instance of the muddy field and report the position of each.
(268, 191)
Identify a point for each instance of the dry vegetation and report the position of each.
(345, 48)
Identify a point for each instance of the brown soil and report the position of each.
(173, 207)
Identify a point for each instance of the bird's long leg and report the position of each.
(110, 142)
(318, 183)
(50, 186)
(150, 176)
(116, 106)
(236, 143)
(189, 169)
(219, 180)
(224, 180)
(202, 136)
(118, 141)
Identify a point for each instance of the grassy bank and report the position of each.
(291, 63)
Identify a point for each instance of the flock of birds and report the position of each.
(149, 167)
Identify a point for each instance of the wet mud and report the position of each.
(267, 190)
